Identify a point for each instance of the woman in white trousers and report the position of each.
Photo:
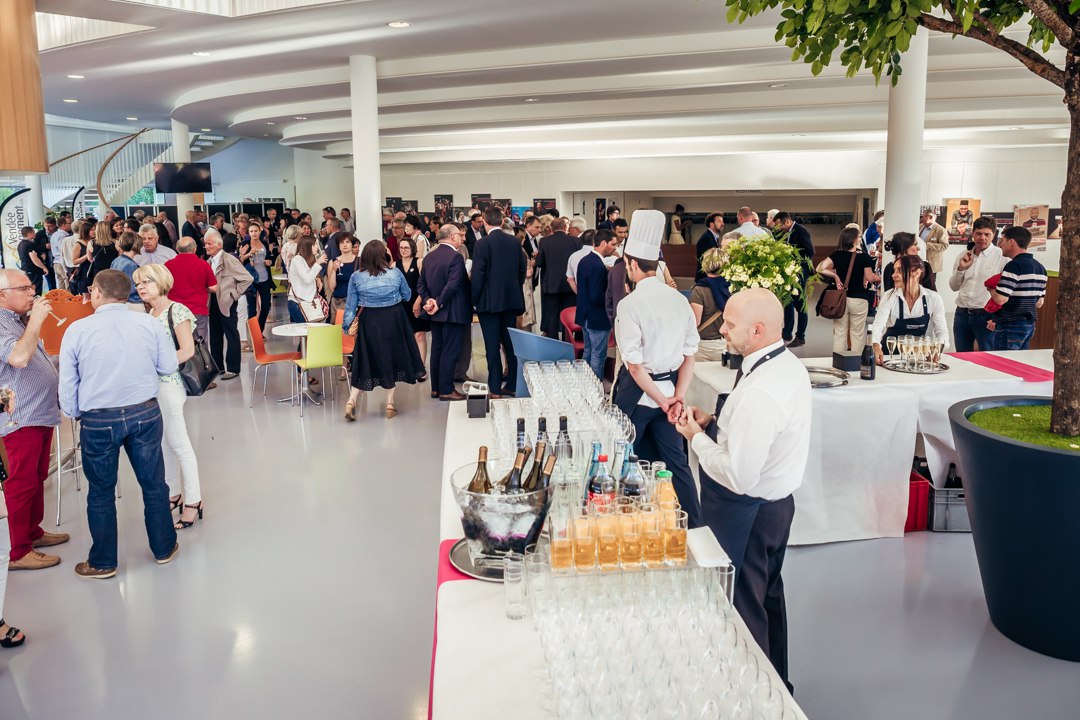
(154, 283)
(9, 636)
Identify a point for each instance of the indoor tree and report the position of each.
(873, 34)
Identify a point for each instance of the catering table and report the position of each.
(472, 634)
(863, 438)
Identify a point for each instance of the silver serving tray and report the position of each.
(897, 366)
(489, 571)
(827, 377)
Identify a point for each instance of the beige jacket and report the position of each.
(233, 280)
(937, 242)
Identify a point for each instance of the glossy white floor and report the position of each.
(308, 592)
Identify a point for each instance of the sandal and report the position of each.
(350, 411)
(174, 504)
(391, 411)
(184, 524)
(8, 639)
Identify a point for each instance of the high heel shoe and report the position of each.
(11, 638)
(350, 411)
(184, 524)
(174, 504)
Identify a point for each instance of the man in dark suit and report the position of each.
(555, 291)
(191, 229)
(498, 273)
(592, 280)
(474, 230)
(333, 233)
(798, 236)
(532, 243)
(714, 228)
(613, 213)
(444, 289)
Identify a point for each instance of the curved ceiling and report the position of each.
(475, 80)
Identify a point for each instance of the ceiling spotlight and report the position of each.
(204, 129)
(131, 117)
(778, 85)
(1016, 128)
(299, 117)
(77, 77)
(270, 123)
(530, 100)
(266, 134)
(398, 24)
(69, 100)
(799, 135)
(202, 53)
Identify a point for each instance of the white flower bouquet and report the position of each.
(760, 261)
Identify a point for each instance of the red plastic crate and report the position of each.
(918, 503)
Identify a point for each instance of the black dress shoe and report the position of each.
(797, 342)
(507, 392)
(452, 396)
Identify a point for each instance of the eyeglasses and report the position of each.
(21, 288)
(143, 283)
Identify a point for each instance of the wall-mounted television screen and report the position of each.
(182, 178)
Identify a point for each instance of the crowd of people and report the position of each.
(609, 286)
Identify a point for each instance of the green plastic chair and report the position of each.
(322, 350)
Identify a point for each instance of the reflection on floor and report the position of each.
(307, 592)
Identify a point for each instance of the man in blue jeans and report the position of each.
(592, 282)
(110, 365)
(1020, 292)
(968, 280)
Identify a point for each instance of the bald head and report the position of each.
(753, 319)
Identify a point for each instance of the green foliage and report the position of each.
(873, 34)
(145, 196)
(1027, 423)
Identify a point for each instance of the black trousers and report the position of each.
(496, 330)
(263, 290)
(551, 304)
(754, 533)
(446, 340)
(461, 369)
(657, 439)
(224, 327)
(791, 310)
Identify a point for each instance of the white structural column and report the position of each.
(35, 211)
(904, 153)
(367, 184)
(181, 139)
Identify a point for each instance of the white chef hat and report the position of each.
(646, 234)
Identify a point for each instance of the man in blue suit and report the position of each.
(592, 280)
(444, 289)
(498, 274)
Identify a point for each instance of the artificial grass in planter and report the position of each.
(1026, 423)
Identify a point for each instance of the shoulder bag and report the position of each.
(314, 310)
(833, 303)
(199, 370)
(712, 318)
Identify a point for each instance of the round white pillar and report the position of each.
(367, 183)
(904, 152)
(35, 210)
(181, 139)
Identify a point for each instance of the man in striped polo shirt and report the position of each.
(1020, 292)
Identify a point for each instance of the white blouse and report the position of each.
(302, 278)
(889, 311)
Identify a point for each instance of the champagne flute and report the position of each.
(890, 341)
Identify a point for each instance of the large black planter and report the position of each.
(1024, 503)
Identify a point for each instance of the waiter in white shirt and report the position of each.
(752, 457)
(657, 338)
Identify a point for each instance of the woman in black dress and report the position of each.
(410, 267)
(103, 251)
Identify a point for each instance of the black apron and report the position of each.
(910, 326)
(628, 394)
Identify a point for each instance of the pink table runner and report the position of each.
(447, 572)
(1027, 373)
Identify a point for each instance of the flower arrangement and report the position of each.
(761, 261)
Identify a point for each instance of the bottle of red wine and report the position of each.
(867, 363)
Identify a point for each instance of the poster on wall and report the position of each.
(13, 218)
(409, 207)
(444, 207)
(601, 211)
(502, 204)
(394, 203)
(1002, 220)
(1055, 224)
(542, 205)
(938, 211)
(960, 213)
(517, 213)
(479, 201)
(461, 214)
(1036, 219)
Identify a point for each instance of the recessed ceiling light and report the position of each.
(799, 135)
(778, 85)
(266, 134)
(270, 123)
(77, 77)
(299, 117)
(530, 100)
(69, 100)
(202, 53)
(398, 24)
(131, 117)
(204, 129)
(1016, 128)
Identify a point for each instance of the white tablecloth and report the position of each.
(474, 639)
(863, 438)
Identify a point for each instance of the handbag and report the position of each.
(833, 303)
(199, 370)
(314, 310)
(354, 326)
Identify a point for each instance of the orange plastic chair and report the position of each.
(264, 359)
(348, 342)
(69, 312)
(573, 330)
(58, 295)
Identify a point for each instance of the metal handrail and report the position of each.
(101, 172)
(95, 147)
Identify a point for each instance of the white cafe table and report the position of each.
(473, 637)
(298, 330)
(863, 437)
